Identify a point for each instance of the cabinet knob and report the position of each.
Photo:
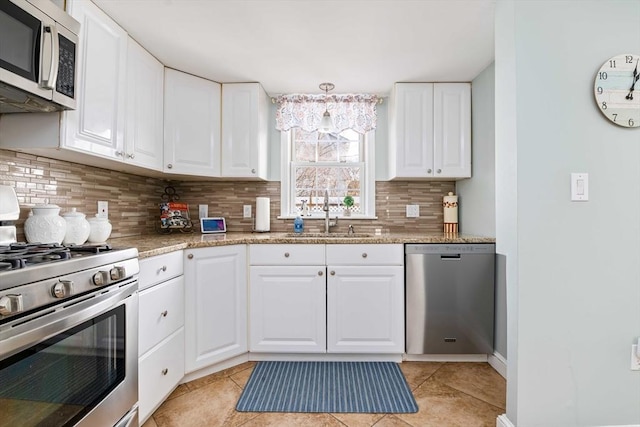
(333, 273)
(164, 313)
(286, 254)
(120, 153)
(131, 156)
(439, 170)
(169, 166)
(190, 256)
(253, 171)
(320, 273)
(165, 371)
(428, 170)
(364, 255)
(163, 269)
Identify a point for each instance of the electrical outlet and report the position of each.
(103, 209)
(246, 211)
(203, 211)
(413, 211)
(635, 358)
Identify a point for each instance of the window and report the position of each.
(340, 162)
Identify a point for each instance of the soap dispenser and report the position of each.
(298, 224)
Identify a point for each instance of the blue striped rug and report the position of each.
(356, 387)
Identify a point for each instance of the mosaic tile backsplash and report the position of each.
(134, 200)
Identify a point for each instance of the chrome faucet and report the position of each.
(325, 208)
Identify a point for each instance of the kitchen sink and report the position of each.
(328, 236)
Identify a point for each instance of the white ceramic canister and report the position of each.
(100, 229)
(44, 225)
(78, 228)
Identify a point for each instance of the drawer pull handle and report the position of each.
(333, 273)
(190, 256)
(320, 273)
(364, 255)
(164, 313)
(165, 371)
(163, 269)
(286, 254)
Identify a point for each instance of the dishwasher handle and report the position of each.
(452, 257)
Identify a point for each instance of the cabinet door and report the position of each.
(144, 121)
(244, 130)
(192, 125)
(365, 309)
(411, 127)
(215, 304)
(97, 125)
(452, 130)
(288, 309)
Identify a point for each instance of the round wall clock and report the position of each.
(617, 90)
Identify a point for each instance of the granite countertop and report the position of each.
(157, 244)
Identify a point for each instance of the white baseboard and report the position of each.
(221, 366)
(499, 363)
(503, 421)
(325, 357)
(445, 357)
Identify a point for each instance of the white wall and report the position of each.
(573, 276)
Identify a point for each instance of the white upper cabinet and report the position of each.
(245, 112)
(191, 125)
(430, 131)
(97, 126)
(452, 130)
(144, 111)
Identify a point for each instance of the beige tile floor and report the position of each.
(448, 394)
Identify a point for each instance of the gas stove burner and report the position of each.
(22, 255)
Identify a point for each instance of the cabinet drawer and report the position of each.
(159, 268)
(159, 371)
(294, 254)
(161, 312)
(367, 254)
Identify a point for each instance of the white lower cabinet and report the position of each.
(365, 309)
(216, 304)
(159, 372)
(288, 309)
(358, 307)
(161, 330)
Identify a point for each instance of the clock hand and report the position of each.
(636, 76)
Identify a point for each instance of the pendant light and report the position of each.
(326, 125)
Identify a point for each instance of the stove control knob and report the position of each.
(101, 278)
(11, 304)
(62, 289)
(118, 273)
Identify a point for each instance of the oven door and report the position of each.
(74, 364)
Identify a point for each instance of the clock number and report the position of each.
(631, 122)
(612, 63)
(604, 105)
(602, 75)
(615, 116)
(628, 59)
(600, 90)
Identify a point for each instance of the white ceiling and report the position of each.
(294, 45)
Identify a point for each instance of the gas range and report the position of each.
(34, 276)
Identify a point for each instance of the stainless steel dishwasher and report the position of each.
(449, 298)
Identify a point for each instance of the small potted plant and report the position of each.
(348, 202)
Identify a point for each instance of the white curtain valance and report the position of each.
(348, 111)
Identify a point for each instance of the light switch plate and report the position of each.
(203, 211)
(579, 187)
(103, 209)
(413, 211)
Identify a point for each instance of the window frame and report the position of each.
(368, 184)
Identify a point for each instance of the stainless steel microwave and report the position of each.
(38, 51)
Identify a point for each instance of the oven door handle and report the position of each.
(24, 335)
